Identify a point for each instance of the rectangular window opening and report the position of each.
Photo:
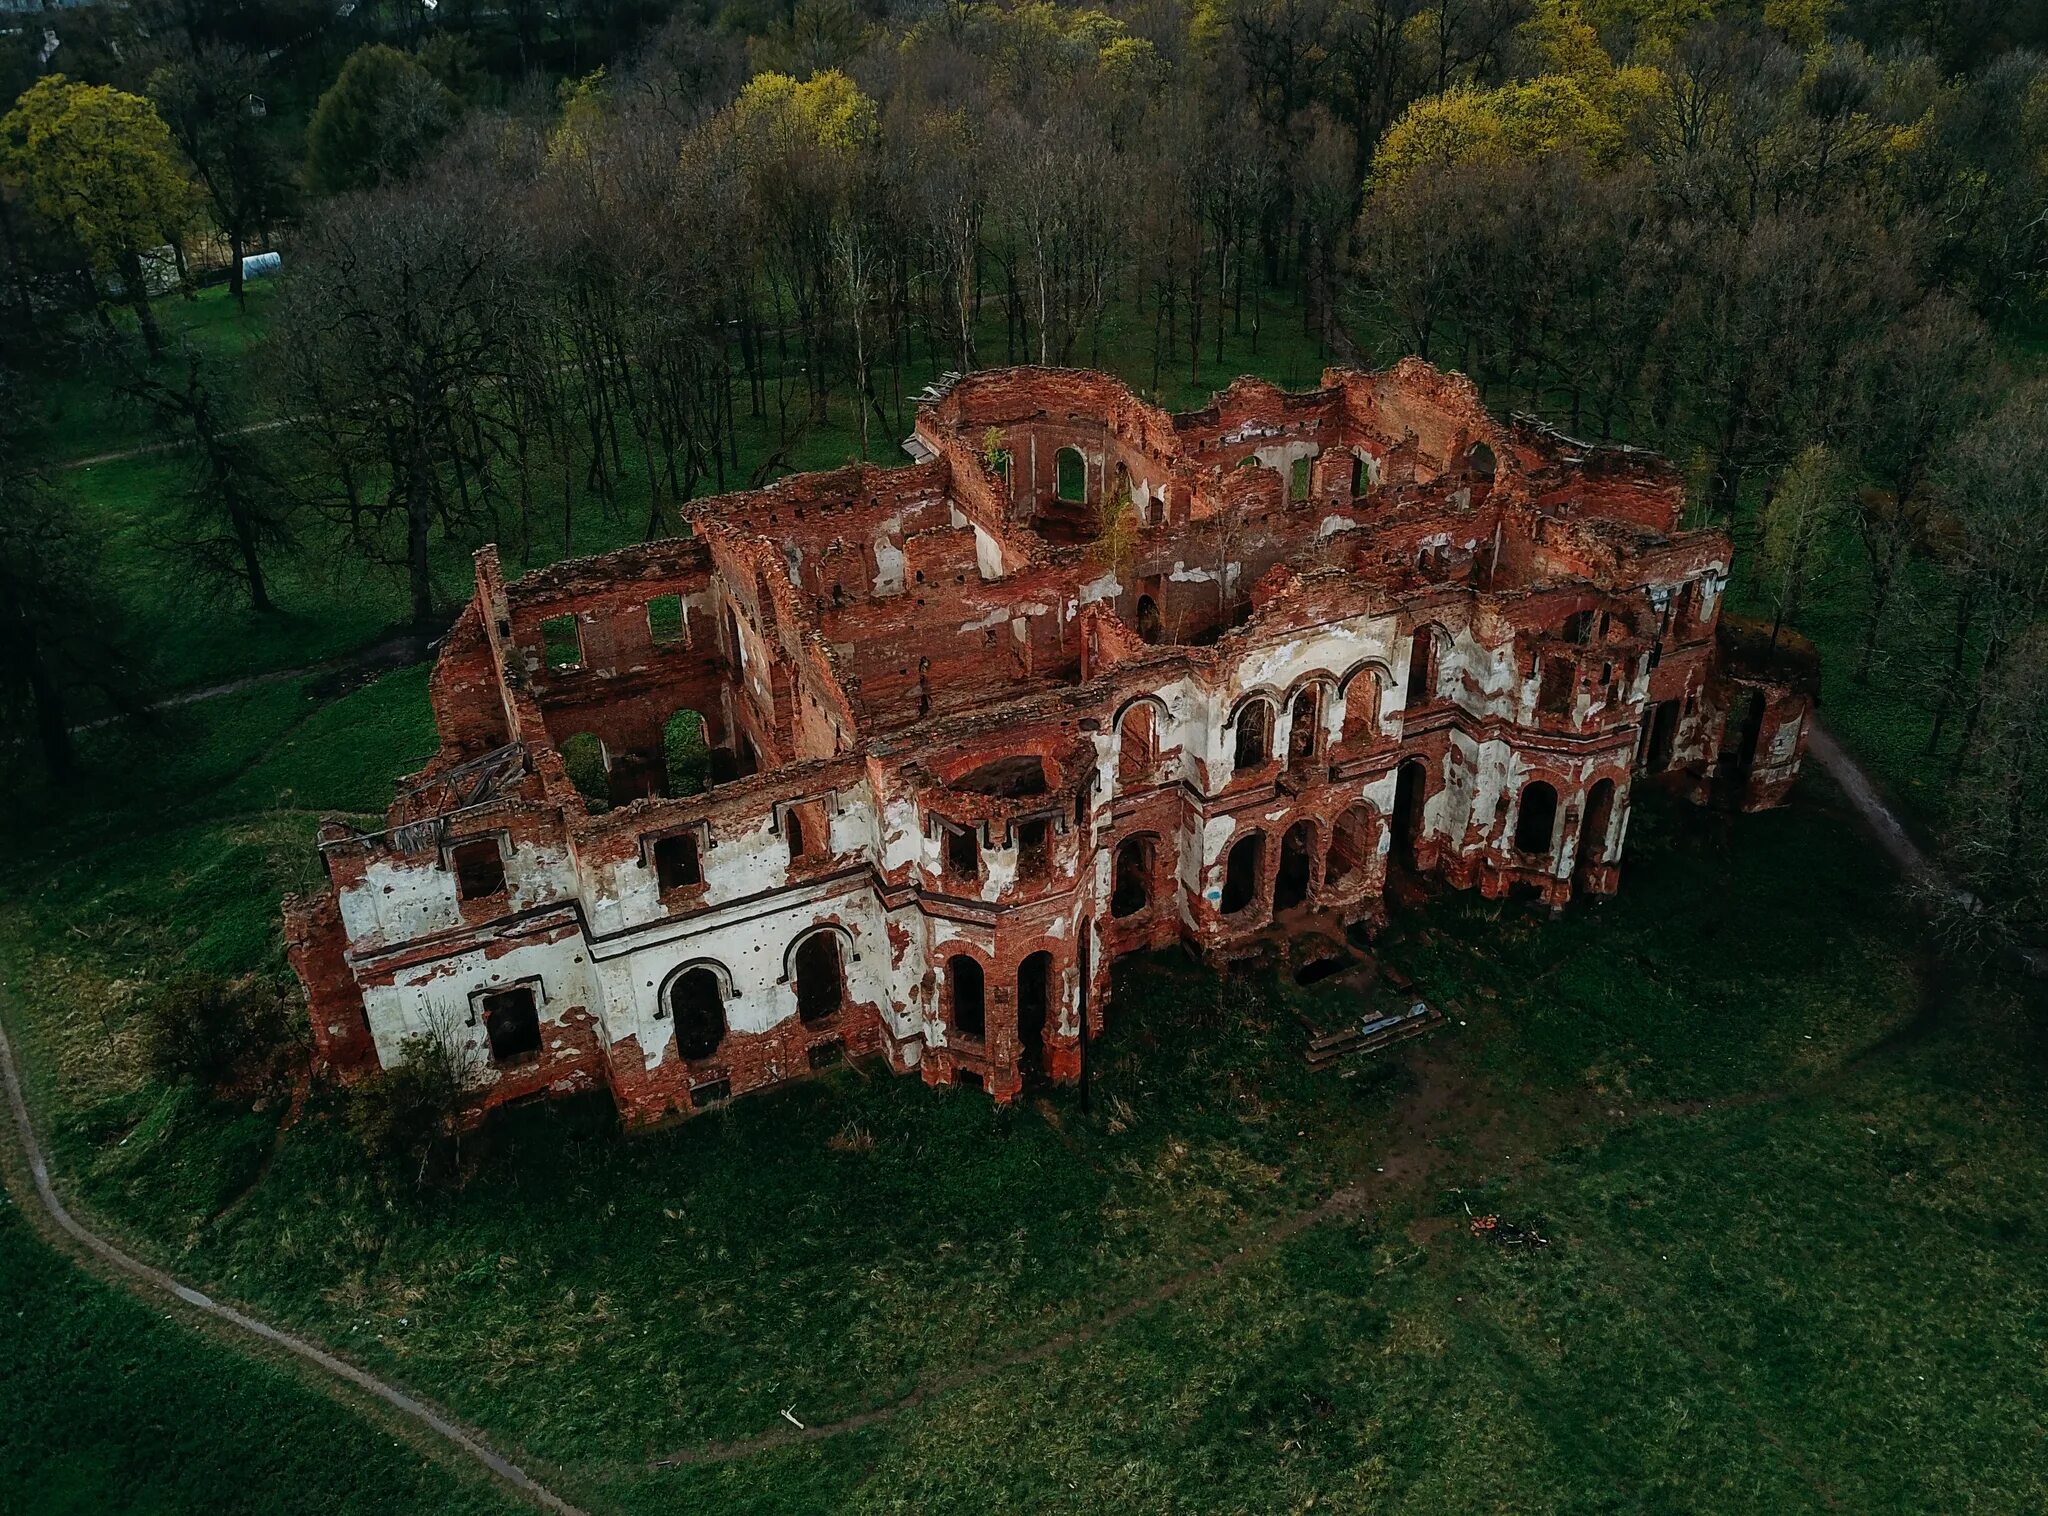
(1034, 848)
(479, 869)
(512, 1024)
(676, 863)
(665, 620)
(561, 643)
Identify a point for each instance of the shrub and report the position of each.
(409, 1115)
(208, 1028)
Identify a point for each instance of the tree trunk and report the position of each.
(419, 521)
(138, 298)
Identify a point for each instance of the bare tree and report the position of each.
(397, 338)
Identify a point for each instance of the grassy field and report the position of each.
(1784, 1162)
(112, 1408)
(1785, 1168)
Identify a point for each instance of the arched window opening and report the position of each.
(1150, 628)
(1352, 848)
(1242, 871)
(1071, 475)
(965, 991)
(1297, 854)
(686, 754)
(1254, 734)
(1479, 459)
(1131, 891)
(1362, 710)
(1411, 796)
(1305, 728)
(1536, 819)
(1598, 820)
(963, 854)
(1034, 1011)
(820, 977)
(696, 1003)
(1422, 667)
(1138, 746)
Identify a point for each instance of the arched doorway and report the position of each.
(1070, 475)
(1536, 819)
(1150, 627)
(820, 976)
(1297, 859)
(965, 990)
(1241, 873)
(696, 1004)
(1593, 829)
(1410, 796)
(1034, 1009)
(1137, 745)
(1352, 847)
(1361, 710)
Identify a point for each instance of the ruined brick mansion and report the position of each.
(897, 761)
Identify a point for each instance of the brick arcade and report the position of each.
(898, 761)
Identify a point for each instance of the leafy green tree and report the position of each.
(212, 101)
(99, 164)
(1798, 525)
(382, 115)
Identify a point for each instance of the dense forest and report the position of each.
(614, 254)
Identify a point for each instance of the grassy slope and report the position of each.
(110, 1407)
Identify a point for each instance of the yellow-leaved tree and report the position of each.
(97, 163)
(1580, 101)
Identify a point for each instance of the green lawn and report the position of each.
(1786, 1172)
(112, 1407)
